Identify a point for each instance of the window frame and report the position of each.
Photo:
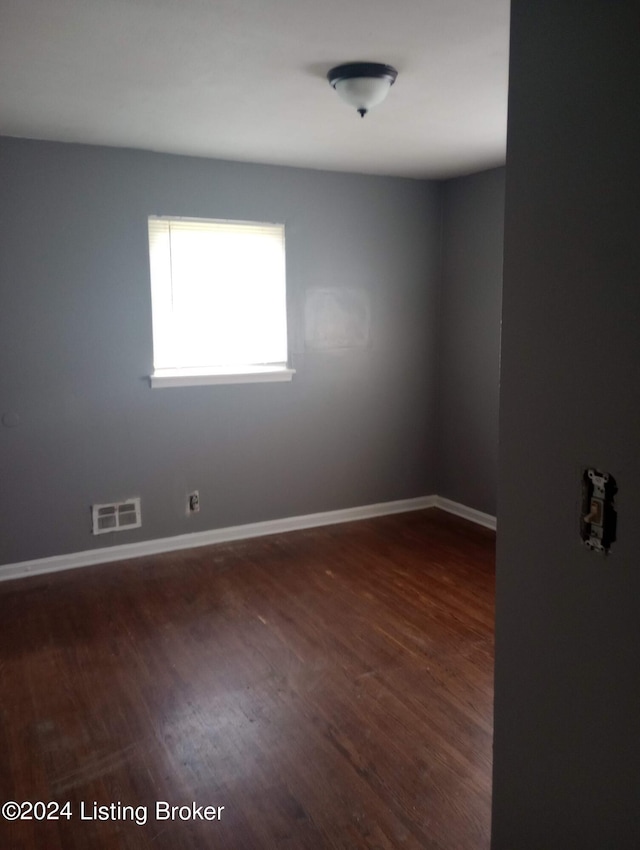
(241, 373)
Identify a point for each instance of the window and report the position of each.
(218, 301)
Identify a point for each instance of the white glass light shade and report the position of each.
(362, 84)
(363, 93)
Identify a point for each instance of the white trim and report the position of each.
(206, 538)
(108, 554)
(463, 511)
(162, 378)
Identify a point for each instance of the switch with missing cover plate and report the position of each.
(598, 516)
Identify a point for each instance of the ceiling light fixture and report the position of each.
(362, 84)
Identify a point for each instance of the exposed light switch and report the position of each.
(598, 516)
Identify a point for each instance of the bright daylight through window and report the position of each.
(218, 300)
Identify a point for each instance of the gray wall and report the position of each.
(469, 348)
(567, 710)
(356, 426)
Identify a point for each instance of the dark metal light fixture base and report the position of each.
(379, 77)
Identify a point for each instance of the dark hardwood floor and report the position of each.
(331, 688)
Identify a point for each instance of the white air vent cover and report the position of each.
(117, 516)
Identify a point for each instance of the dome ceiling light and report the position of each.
(362, 85)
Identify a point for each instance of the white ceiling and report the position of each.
(246, 79)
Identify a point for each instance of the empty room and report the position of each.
(319, 368)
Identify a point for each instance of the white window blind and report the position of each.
(218, 294)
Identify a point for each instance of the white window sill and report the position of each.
(220, 375)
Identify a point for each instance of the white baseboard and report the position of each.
(463, 511)
(123, 552)
(206, 538)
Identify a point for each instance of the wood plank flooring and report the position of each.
(331, 688)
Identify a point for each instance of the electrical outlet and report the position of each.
(193, 502)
